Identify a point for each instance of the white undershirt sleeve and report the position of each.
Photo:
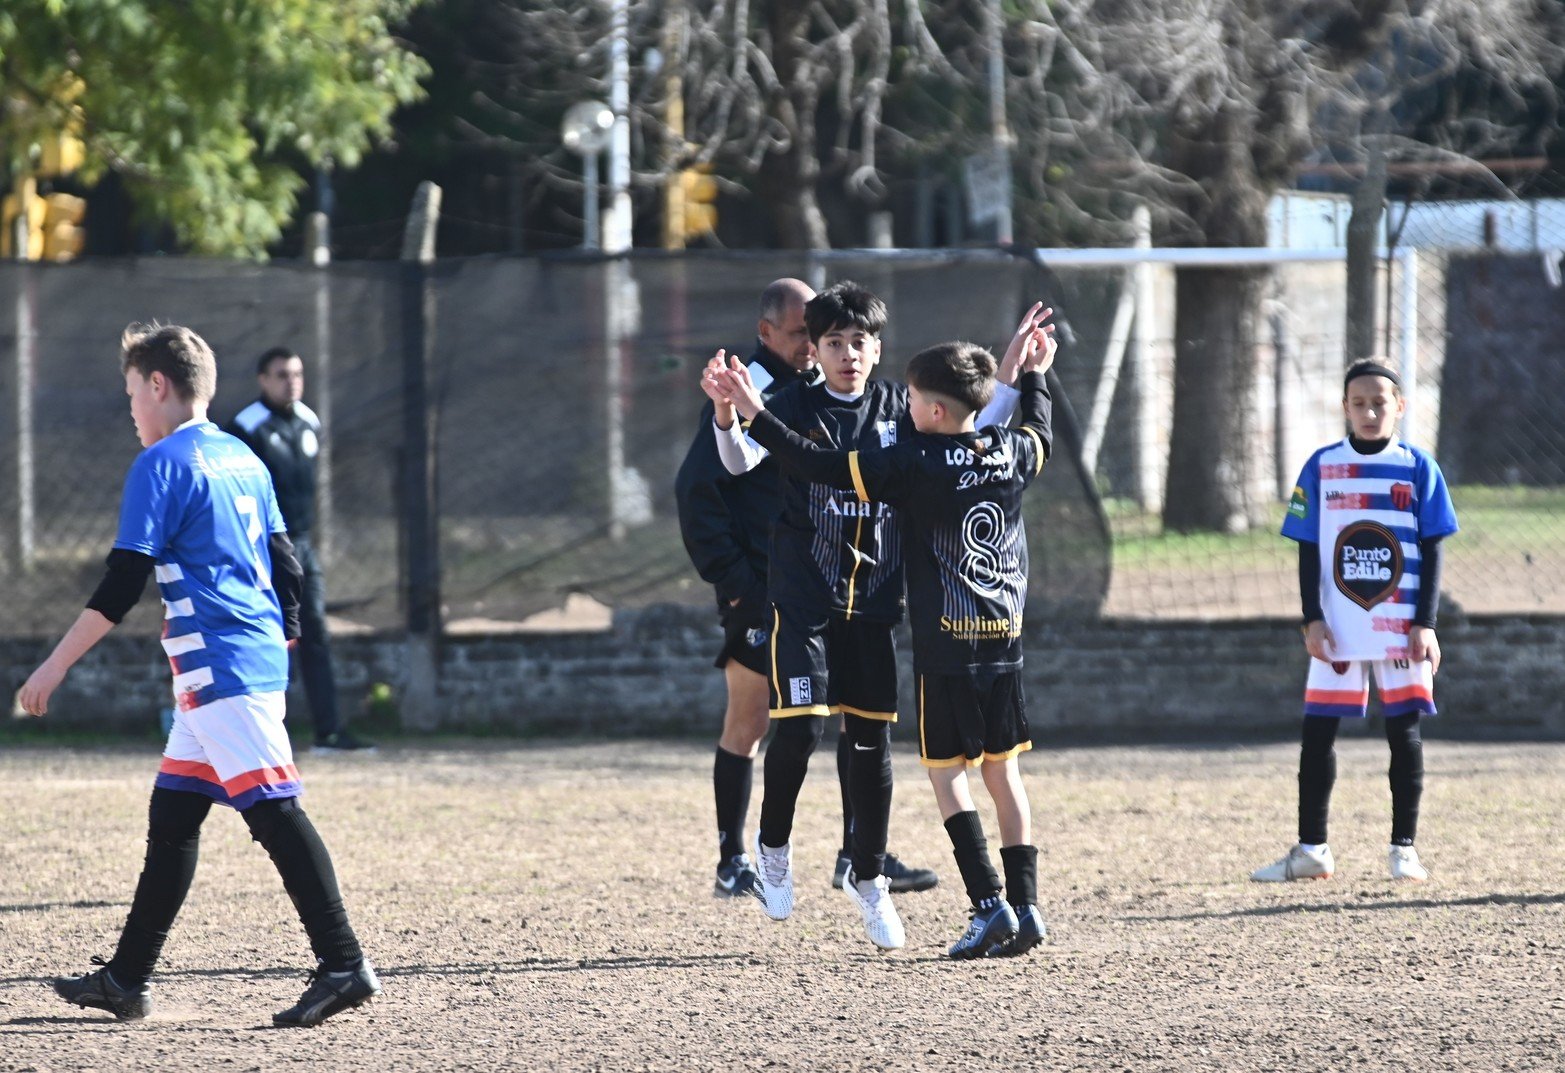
(1002, 408)
(740, 454)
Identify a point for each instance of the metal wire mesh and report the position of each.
(564, 394)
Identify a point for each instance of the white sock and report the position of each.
(1313, 850)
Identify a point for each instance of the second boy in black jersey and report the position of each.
(958, 490)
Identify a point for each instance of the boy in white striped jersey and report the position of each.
(1369, 513)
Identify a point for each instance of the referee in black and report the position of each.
(286, 435)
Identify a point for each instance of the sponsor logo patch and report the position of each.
(1367, 563)
(755, 638)
(888, 432)
(1299, 505)
(799, 692)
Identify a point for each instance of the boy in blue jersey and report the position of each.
(957, 488)
(1369, 513)
(199, 513)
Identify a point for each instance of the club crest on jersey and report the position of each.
(888, 432)
(755, 638)
(1402, 496)
(1367, 563)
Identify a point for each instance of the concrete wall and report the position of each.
(652, 675)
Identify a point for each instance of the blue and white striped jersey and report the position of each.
(200, 503)
(1367, 513)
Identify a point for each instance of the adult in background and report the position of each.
(286, 435)
(726, 524)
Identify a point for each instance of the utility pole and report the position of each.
(616, 235)
(999, 126)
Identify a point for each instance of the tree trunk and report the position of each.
(787, 177)
(1219, 462)
(1369, 199)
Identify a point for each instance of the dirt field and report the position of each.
(548, 907)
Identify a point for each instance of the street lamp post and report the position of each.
(585, 130)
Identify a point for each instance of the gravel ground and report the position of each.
(548, 906)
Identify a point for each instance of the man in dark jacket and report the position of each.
(286, 435)
(726, 524)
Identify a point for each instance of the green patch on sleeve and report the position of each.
(1299, 505)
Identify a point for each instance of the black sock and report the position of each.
(1021, 874)
(844, 762)
(296, 849)
(173, 843)
(1317, 775)
(1407, 776)
(787, 762)
(731, 779)
(869, 782)
(972, 858)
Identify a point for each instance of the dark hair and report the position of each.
(960, 372)
(844, 305)
(181, 355)
(277, 353)
(1370, 367)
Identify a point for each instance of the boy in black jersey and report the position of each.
(835, 582)
(957, 488)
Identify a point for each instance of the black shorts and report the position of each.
(826, 665)
(970, 717)
(747, 633)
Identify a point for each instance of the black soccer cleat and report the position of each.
(98, 991)
(988, 932)
(329, 994)
(736, 878)
(1030, 931)
(900, 878)
(903, 878)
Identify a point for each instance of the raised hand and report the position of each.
(1032, 320)
(1039, 349)
(735, 384)
(723, 409)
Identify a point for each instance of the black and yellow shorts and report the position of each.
(970, 717)
(828, 665)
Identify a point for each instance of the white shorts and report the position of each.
(234, 750)
(1405, 689)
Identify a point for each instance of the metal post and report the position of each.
(420, 542)
(589, 209)
(24, 551)
(317, 241)
(1144, 399)
(616, 236)
(999, 128)
(1407, 339)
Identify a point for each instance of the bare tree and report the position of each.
(756, 80)
(1205, 109)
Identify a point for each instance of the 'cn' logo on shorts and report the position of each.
(799, 692)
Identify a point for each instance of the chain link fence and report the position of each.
(563, 398)
(1469, 309)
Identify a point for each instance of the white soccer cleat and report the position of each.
(1298, 864)
(1405, 864)
(775, 867)
(881, 922)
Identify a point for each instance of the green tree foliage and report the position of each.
(204, 106)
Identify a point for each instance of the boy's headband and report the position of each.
(1370, 369)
